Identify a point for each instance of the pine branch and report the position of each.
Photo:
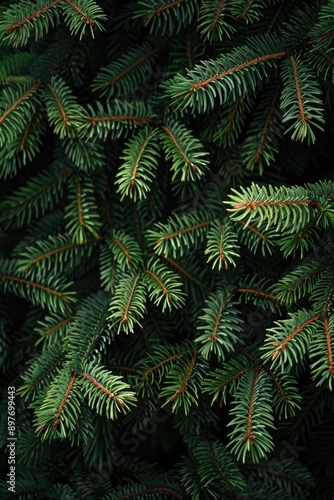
(128, 303)
(253, 417)
(300, 100)
(16, 117)
(221, 324)
(291, 337)
(321, 352)
(52, 293)
(137, 172)
(106, 392)
(163, 286)
(227, 78)
(83, 13)
(20, 20)
(179, 232)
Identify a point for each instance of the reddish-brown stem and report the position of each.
(302, 116)
(327, 56)
(164, 7)
(160, 283)
(122, 247)
(213, 337)
(307, 227)
(18, 102)
(279, 473)
(56, 327)
(135, 167)
(255, 231)
(253, 204)
(330, 33)
(42, 376)
(278, 385)
(217, 16)
(329, 347)
(68, 390)
(123, 368)
(322, 268)
(243, 14)
(111, 395)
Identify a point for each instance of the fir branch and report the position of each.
(168, 360)
(106, 393)
(18, 102)
(235, 69)
(64, 248)
(57, 327)
(167, 238)
(63, 402)
(250, 436)
(184, 231)
(254, 292)
(128, 303)
(229, 380)
(150, 54)
(212, 455)
(18, 25)
(302, 116)
(230, 75)
(158, 11)
(127, 307)
(188, 374)
(282, 345)
(60, 106)
(253, 416)
(37, 285)
(300, 100)
(329, 346)
(291, 337)
(81, 221)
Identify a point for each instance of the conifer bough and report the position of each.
(167, 234)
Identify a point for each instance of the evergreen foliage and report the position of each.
(167, 237)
